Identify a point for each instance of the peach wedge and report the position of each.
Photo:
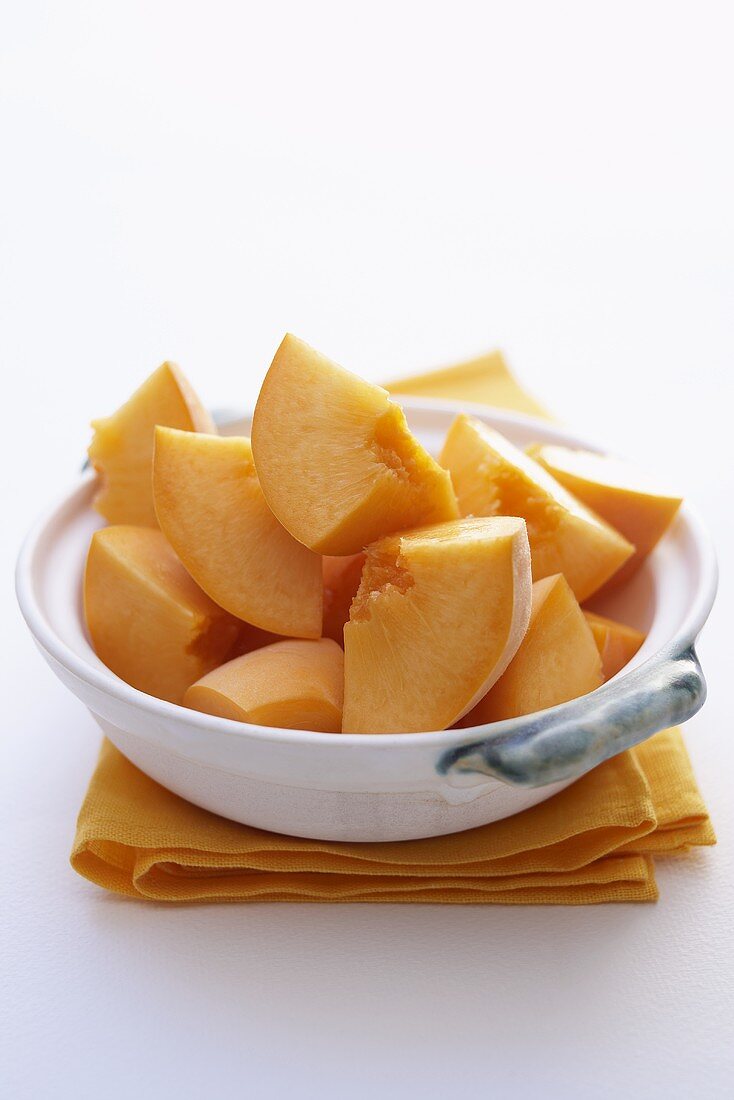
(558, 659)
(147, 619)
(290, 684)
(493, 477)
(252, 637)
(341, 582)
(335, 458)
(626, 498)
(617, 643)
(212, 510)
(121, 450)
(438, 617)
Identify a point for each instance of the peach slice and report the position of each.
(438, 617)
(147, 619)
(335, 458)
(626, 498)
(493, 477)
(617, 643)
(121, 450)
(252, 637)
(341, 581)
(295, 685)
(212, 510)
(558, 659)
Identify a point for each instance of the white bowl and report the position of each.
(387, 786)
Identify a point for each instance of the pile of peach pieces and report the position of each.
(328, 574)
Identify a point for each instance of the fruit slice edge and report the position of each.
(211, 507)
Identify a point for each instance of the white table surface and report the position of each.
(402, 188)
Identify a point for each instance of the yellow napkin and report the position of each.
(485, 380)
(593, 842)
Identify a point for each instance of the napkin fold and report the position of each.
(593, 842)
(485, 380)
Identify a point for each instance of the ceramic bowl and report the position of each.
(383, 787)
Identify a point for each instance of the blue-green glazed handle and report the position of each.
(566, 741)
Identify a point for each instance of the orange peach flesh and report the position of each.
(121, 450)
(336, 460)
(438, 616)
(493, 477)
(617, 643)
(558, 659)
(212, 510)
(626, 498)
(147, 619)
(292, 684)
(341, 582)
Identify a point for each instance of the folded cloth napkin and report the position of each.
(483, 381)
(593, 842)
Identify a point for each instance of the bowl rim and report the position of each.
(106, 682)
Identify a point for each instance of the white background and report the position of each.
(402, 185)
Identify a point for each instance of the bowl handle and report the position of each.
(566, 741)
